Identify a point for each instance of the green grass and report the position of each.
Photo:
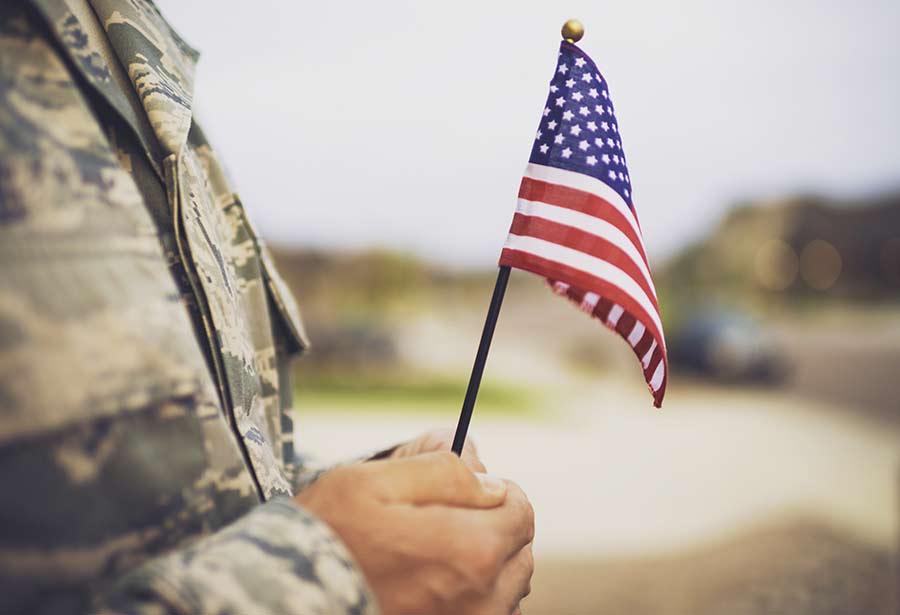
(409, 394)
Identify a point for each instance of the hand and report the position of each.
(513, 583)
(430, 536)
(439, 440)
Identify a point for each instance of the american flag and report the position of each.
(575, 223)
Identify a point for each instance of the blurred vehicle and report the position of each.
(730, 347)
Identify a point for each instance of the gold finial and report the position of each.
(572, 31)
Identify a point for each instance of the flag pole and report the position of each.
(465, 416)
(572, 31)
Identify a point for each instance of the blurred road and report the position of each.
(613, 481)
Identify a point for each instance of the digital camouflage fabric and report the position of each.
(146, 449)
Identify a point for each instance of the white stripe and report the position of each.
(645, 362)
(585, 183)
(589, 302)
(636, 334)
(588, 264)
(615, 313)
(657, 378)
(589, 224)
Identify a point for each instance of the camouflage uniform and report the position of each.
(145, 435)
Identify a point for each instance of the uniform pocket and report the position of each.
(282, 301)
(90, 329)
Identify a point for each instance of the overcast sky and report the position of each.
(407, 124)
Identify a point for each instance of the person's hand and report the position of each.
(439, 440)
(430, 536)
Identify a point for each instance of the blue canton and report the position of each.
(578, 131)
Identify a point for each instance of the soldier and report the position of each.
(146, 449)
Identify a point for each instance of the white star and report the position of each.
(616, 158)
(560, 101)
(566, 153)
(544, 148)
(592, 126)
(626, 191)
(609, 142)
(600, 110)
(546, 111)
(583, 145)
(586, 77)
(598, 142)
(568, 115)
(608, 108)
(593, 93)
(612, 174)
(551, 124)
(621, 176)
(604, 126)
(577, 96)
(591, 160)
(575, 130)
(562, 69)
(615, 128)
(553, 89)
(604, 94)
(538, 136)
(579, 62)
(605, 158)
(598, 78)
(584, 111)
(558, 139)
(570, 83)
(618, 144)
(627, 179)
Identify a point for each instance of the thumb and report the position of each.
(434, 478)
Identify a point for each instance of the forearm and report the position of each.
(278, 559)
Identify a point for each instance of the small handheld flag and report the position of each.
(576, 225)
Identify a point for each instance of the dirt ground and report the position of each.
(792, 568)
(728, 502)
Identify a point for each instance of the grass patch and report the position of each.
(401, 394)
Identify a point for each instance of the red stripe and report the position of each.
(584, 202)
(576, 277)
(577, 239)
(575, 294)
(655, 358)
(625, 325)
(643, 344)
(603, 308)
(658, 356)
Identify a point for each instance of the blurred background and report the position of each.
(379, 146)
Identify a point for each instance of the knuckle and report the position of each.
(486, 558)
(524, 508)
(458, 475)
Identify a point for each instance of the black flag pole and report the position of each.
(572, 31)
(465, 416)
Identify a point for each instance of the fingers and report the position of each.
(514, 582)
(514, 520)
(434, 478)
(441, 440)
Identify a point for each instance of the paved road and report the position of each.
(608, 474)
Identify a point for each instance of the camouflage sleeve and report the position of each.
(277, 559)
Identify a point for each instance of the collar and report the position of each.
(159, 64)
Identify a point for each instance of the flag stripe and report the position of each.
(595, 267)
(653, 362)
(643, 346)
(587, 227)
(603, 308)
(604, 286)
(575, 239)
(584, 183)
(583, 202)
